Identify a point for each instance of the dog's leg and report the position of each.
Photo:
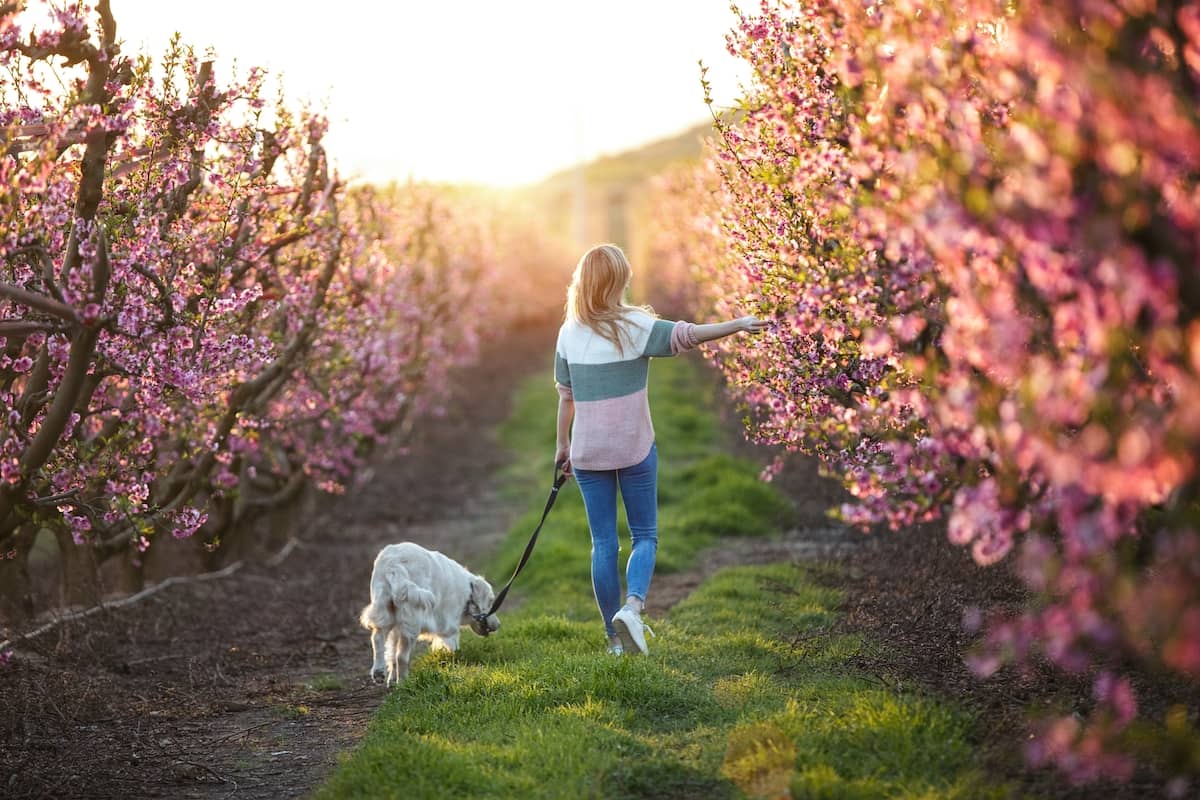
(393, 654)
(379, 637)
(378, 618)
(441, 642)
(401, 651)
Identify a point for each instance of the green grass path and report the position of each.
(745, 693)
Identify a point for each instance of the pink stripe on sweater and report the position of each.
(613, 433)
(683, 337)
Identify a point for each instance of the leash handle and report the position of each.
(560, 478)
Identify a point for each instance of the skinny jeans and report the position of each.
(639, 491)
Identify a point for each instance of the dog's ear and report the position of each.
(481, 593)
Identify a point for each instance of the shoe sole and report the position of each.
(627, 641)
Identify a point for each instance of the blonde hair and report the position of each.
(597, 291)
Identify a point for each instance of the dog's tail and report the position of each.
(393, 597)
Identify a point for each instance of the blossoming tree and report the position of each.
(976, 226)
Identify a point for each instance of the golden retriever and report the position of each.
(421, 594)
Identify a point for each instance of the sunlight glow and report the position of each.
(470, 91)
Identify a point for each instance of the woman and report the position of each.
(600, 368)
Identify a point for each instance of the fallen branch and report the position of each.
(235, 734)
(124, 601)
(285, 551)
(273, 561)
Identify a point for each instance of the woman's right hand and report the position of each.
(751, 324)
(563, 456)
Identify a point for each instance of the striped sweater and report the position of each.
(612, 426)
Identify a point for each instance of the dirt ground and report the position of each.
(249, 686)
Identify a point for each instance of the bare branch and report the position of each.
(55, 499)
(315, 171)
(47, 265)
(199, 113)
(35, 394)
(164, 294)
(285, 494)
(138, 160)
(39, 301)
(22, 327)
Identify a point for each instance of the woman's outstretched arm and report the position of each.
(719, 330)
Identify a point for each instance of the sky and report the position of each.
(499, 92)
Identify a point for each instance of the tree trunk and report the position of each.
(131, 571)
(16, 589)
(217, 530)
(80, 586)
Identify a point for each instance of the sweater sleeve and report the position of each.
(669, 338)
(562, 377)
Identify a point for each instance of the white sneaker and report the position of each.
(631, 629)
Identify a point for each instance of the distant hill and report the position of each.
(635, 165)
(596, 201)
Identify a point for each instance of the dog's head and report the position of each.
(480, 601)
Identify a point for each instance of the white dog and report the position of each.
(419, 593)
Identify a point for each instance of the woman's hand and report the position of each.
(563, 456)
(719, 330)
(750, 324)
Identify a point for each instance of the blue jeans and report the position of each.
(639, 490)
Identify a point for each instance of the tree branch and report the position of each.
(164, 294)
(24, 327)
(39, 301)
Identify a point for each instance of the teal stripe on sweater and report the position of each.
(659, 343)
(605, 381)
(562, 373)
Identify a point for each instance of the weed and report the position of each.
(327, 682)
(293, 711)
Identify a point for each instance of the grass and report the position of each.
(745, 692)
(327, 682)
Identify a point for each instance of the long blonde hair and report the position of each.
(596, 296)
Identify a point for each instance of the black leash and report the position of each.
(560, 478)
